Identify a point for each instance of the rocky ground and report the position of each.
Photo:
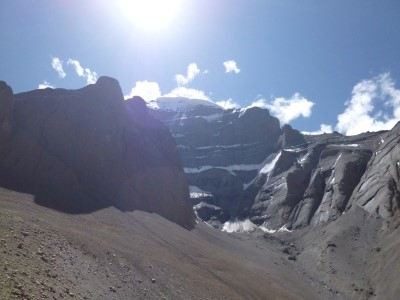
(45, 254)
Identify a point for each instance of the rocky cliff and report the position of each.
(246, 172)
(80, 150)
(222, 151)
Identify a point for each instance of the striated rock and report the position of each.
(80, 150)
(378, 192)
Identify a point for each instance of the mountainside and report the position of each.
(222, 151)
(81, 150)
(334, 199)
(320, 213)
(245, 171)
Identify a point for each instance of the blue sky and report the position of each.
(310, 62)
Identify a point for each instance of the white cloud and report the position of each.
(227, 104)
(286, 110)
(363, 113)
(187, 93)
(56, 63)
(89, 75)
(259, 103)
(148, 90)
(230, 66)
(45, 84)
(192, 72)
(324, 128)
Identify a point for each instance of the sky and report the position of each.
(317, 65)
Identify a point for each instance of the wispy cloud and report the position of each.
(192, 72)
(89, 75)
(227, 104)
(231, 67)
(187, 93)
(324, 128)
(374, 106)
(45, 84)
(148, 90)
(287, 110)
(56, 63)
(259, 103)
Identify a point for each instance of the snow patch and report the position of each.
(265, 167)
(294, 150)
(179, 104)
(349, 145)
(219, 147)
(196, 192)
(213, 117)
(284, 229)
(239, 226)
(337, 159)
(264, 227)
(270, 165)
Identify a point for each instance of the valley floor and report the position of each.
(109, 254)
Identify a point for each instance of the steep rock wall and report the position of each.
(84, 149)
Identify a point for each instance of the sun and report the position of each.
(151, 14)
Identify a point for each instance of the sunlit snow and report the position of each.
(239, 226)
(196, 192)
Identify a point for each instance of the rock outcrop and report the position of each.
(79, 150)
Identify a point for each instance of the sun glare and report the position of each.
(151, 14)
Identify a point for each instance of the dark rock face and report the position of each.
(89, 148)
(6, 111)
(246, 167)
(222, 150)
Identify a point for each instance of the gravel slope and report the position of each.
(108, 254)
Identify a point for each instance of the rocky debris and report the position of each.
(49, 266)
(81, 150)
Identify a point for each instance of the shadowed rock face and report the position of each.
(6, 111)
(88, 148)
